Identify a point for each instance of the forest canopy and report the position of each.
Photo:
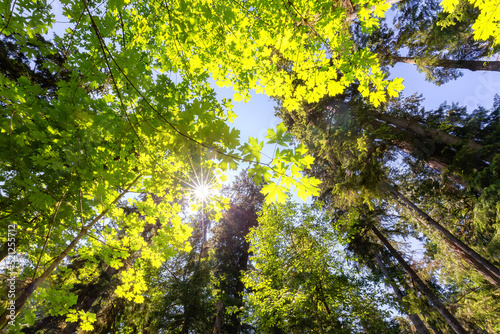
(115, 149)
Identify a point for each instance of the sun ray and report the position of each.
(191, 162)
(200, 184)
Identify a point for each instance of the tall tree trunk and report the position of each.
(438, 162)
(471, 65)
(436, 136)
(106, 318)
(28, 291)
(86, 298)
(425, 132)
(483, 266)
(432, 146)
(450, 319)
(415, 319)
(430, 323)
(437, 157)
(4, 251)
(219, 317)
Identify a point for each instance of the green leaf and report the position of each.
(275, 193)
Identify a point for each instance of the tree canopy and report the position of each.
(114, 148)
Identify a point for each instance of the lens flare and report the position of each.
(202, 192)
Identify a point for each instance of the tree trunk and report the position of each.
(430, 145)
(415, 319)
(106, 318)
(107, 281)
(28, 291)
(86, 298)
(219, 317)
(471, 65)
(421, 148)
(435, 135)
(430, 323)
(4, 251)
(483, 266)
(450, 319)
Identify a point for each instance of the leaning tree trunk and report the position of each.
(437, 136)
(471, 65)
(86, 298)
(436, 156)
(432, 146)
(483, 266)
(108, 280)
(450, 319)
(430, 323)
(28, 291)
(415, 319)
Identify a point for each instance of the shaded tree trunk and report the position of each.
(471, 65)
(430, 322)
(434, 155)
(106, 318)
(86, 298)
(435, 135)
(4, 251)
(483, 266)
(432, 146)
(450, 319)
(219, 317)
(107, 281)
(414, 318)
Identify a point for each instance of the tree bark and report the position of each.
(28, 291)
(414, 318)
(432, 146)
(219, 317)
(471, 65)
(430, 323)
(435, 135)
(483, 266)
(92, 292)
(107, 281)
(86, 298)
(450, 319)
(4, 251)
(425, 149)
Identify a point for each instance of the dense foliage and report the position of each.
(114, 146)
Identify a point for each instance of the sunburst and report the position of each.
(202, 186)
(202, 183)
(202, 192)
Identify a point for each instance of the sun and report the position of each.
(202, 192)
(202, 186)
(201, 181)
